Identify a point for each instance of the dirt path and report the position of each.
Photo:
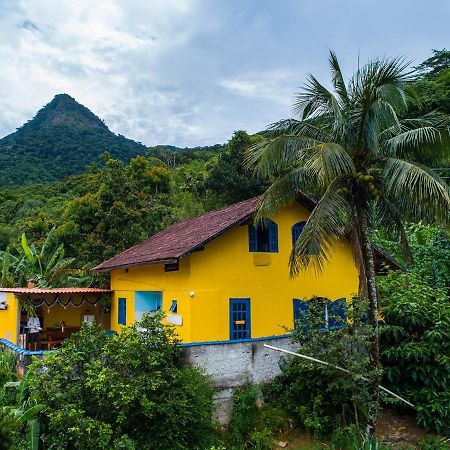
(396, 429)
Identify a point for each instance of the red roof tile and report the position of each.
(183, 237)
(39, 291)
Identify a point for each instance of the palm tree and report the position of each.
(357, 150)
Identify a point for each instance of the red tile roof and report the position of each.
(184, 237)
(39, 291)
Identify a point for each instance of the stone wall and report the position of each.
(232, 365)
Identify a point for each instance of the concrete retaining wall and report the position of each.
(233, 365)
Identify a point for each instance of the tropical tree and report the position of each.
(46, 265)
(228, 182)
(356, 149)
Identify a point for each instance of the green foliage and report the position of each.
(228, 181)
(435, 65)
(10, 433)
(128, 206)
(416, 345)
(121, 391)
(433, 443)
(322, 398)
(20, 415)
(429, 248)
(7, 367)
(45, 264)
(254, 423)
(350, 438)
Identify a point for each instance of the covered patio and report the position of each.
(60, 311)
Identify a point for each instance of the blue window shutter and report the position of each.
(252, 239)
(296, 230)
(273, 237)
(301, 321)
(122, 317)
(338, 313)
(174, 306)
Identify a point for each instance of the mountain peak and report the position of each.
(65, 111)
(62, 139)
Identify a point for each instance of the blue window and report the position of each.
(337, 312)
(334, 314)
(122, 316)
(146, 302)
(263, 237)
(240, 326)
(301, 321)
(296, 230)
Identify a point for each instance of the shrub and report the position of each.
(7, 366)
(321, 398)
(10, 433)
(416, 345)
(252, 425)
(124, 391)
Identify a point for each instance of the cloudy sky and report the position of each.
(190, 72)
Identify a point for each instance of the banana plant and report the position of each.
(45, 264)
(26, 412)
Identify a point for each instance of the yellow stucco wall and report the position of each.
(226, 269)
(71, 315)
(9, 318)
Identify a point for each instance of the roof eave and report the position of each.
(140, 263)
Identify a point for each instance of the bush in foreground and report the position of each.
(129, 391)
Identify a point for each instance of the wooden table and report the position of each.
(55, 336)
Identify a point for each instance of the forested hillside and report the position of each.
(113, 206)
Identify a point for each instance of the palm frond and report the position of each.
(283, 192)
(316, 99)
(413, 139)
(328, 161)
(375, 74)
(417, 191)
(394, 96)
(424, 138)
(380, 115)
(327, 224)
(337, 78)
(275, 155)
(385, 214)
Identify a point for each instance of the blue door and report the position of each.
(240, 325)
(122, 318)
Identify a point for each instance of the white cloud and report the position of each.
(275, 85)
(96, 52)
(188, 72)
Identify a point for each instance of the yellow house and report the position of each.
(220, 278)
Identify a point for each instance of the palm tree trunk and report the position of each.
(374, 342)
